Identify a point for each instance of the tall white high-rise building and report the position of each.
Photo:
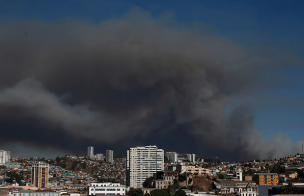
(5, 157)
(172, 156)
(109, 156)
(191, 158)
(142, 163)
(90, 151)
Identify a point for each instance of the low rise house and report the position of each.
(106, 188)
(34, 193)
(165, 178)
(241, 188)
(198, 171)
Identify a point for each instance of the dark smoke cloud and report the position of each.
(131, 81)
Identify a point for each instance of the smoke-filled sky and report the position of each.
(215, 78)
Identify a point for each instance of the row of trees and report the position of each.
(15, 177)
(300, 173)
(279, 169)
(156, 192)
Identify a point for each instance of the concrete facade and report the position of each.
(106, 188)
(109, 156)
(266, 178)
(34, 193)
(5, 157)
(198, 171)
(191, 158)
(90, 152)
(173, 157)
(40, 175)
(238, 188)
(142, 163)
(165, 178)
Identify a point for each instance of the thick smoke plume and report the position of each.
(131, 81)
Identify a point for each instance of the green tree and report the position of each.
(180, 193)
(15, 177)
(278, 169)
(249, 172)
(289, 189)
(147, 182)
(146, 194)
(135, 192)
(159, 192)
(300, 173)
(176, 184)
(221, 176)
(172, 188)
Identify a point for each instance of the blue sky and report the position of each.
(274, 23)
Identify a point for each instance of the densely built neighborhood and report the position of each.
(148, 170)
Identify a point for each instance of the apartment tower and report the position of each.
(5, 157)
(109, 156)
(90, 151)
(172, 156)
(40, 175)
(142, 163)
(191, 158)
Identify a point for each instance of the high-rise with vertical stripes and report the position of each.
(40, 175)
(142, 163)
(90, 152)
(4, 157)
(109, 156)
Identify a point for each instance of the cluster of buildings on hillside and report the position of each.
(109, 155)
(45, 177)
(146, 162)
(175, 157)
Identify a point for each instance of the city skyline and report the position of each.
(217, 79)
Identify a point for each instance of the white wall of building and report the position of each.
(33, 193)
(5, 157)
(238, 174)
(90, 151)
(191, 158)
(109, 156)
(142, 163)
(173, 157)
(107, 188)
